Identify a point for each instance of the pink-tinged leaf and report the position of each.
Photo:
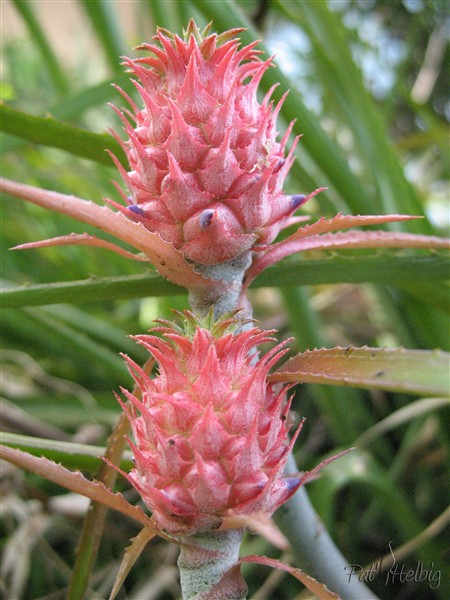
(409, 371)
(314, 473)
(339, 241)
(132, 553)
(341, 221)
(164, 256)
(75, 482)
(318, 589)
(258, 523)
(372, 239)
(82, 239)
(291, 221)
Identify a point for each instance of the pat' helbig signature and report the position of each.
(398, 572)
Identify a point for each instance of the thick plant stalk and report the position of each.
(227, 294)
(315, 551)
(206, 564)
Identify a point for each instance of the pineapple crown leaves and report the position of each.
(192, 29)
(227, 337)
(190, 322)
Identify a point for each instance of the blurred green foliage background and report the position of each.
(368, 86)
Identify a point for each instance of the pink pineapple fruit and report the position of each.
(206, 176)
(210, 433)
(206, 169)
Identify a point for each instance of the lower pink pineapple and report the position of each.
(211, 435)
(210, 444)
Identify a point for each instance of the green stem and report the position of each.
(315, 551)
(207, 564)
(226, 295)
(48, 131)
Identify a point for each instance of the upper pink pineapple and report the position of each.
(210, 433)
(206, 170)
(206, 176)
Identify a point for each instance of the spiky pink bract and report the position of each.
(210, 433)
(206, 169)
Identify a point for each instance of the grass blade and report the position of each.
(104, 20)
(57, 73)
(50, 132)
(333, 270)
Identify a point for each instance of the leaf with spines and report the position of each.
(131, 554)
(318, 589)
(75, 482)
(410, 371)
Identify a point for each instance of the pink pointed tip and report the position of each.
(315, 192)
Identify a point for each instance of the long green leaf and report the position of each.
(98, 329)
(83, 457)
(336, 269)
(400, 416)
(50, 132)
(73, 106)
(400, 370)
(90, 290)
(78, 341)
